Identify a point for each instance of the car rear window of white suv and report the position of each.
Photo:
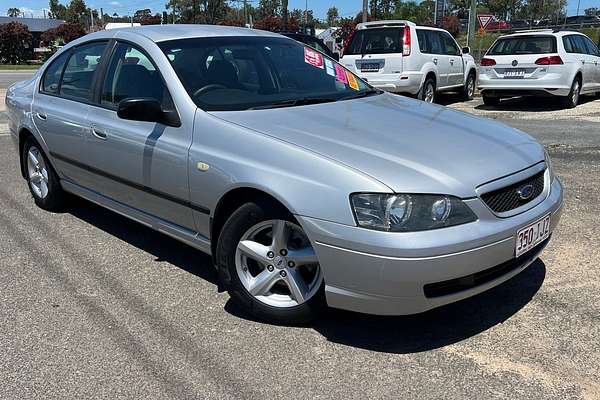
(524, 45)
(376, 41)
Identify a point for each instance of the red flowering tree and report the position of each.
(15, 39)
(62, 34)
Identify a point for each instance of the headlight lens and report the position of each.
(409, 212)
(549, 165)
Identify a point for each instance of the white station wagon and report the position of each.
(540, 63)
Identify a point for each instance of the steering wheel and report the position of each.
(208, 88)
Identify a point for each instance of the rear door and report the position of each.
(375, 53)
(595, 58)
(516, 57)
(587, 58)
(437, 55)
(61, 106)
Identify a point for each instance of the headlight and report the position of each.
(549, 165)
(409, 212)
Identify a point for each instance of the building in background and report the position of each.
(36, 27)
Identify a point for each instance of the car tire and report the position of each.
(468, 90)
(427, 92)
(572, 99)
(42, 179)
(491, 101)
(261, 281)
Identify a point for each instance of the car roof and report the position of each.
(161, 33)
(538, 32)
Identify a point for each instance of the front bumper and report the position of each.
(386, 273)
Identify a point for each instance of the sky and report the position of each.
(346, 8)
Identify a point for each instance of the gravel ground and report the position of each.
(93, 305)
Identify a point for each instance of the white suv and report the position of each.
(401, 57)
(540, 63)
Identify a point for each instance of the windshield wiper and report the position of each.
(364, 93)
(303, 101)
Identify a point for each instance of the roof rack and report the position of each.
(534, 30)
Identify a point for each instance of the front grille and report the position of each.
(508, 198)
(453, 286)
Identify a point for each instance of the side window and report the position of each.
(449, 45)
(568, 43)
(79, 72)
(435, 42)
(578, 44)
(591, 47)
(53, 73)
(423, 42)
(131, 74)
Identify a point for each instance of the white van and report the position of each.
(401, 57)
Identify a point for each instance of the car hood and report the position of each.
(408, 145)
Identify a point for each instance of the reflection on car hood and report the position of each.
(410, 146)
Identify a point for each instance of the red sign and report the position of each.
(484, 19)
(313, 58)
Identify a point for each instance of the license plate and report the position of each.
(369, 67)
(532, 235)
(514, 73)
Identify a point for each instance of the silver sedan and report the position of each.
(307, 186)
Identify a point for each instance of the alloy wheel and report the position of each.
(429, 93)
(575, 95)
(471, 87)
(277, 264)
(37, 172)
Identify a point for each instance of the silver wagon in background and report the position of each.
(307, 186)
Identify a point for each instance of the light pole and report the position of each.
(364, 12)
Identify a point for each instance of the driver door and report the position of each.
(141, 164)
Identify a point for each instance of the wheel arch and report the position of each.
(234, 199)
(24, 133)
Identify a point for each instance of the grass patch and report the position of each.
(19, 67)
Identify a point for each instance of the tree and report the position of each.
(199, 11)
(347, 26)
(57, 10)
(332, 16)
(62, 34)
(139, 15)
(451, 23)
(15, 39)
(592, 11)
(268, 8)
(77, 12)
(13, 12)
(419, 13)
(382, 9)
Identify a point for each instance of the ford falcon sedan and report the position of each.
(308, 187)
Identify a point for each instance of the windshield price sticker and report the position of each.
(313, 58)
(352, 80)
(329, 67)
(340, 74)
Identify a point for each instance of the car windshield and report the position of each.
(523, 45)
(241, 73)
(375, 41)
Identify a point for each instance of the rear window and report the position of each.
(524, 45)
(376, 41)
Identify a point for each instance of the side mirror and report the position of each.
(336, 56)
(147, 109)
(466, 50)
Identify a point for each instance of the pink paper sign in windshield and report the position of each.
(313, 58)
(340, 74)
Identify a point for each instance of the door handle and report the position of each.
(99, 134)
(435, 60)
(452, 61)
(41, 116)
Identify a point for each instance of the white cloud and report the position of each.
(116, 4)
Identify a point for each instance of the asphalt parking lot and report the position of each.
(93, 305)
